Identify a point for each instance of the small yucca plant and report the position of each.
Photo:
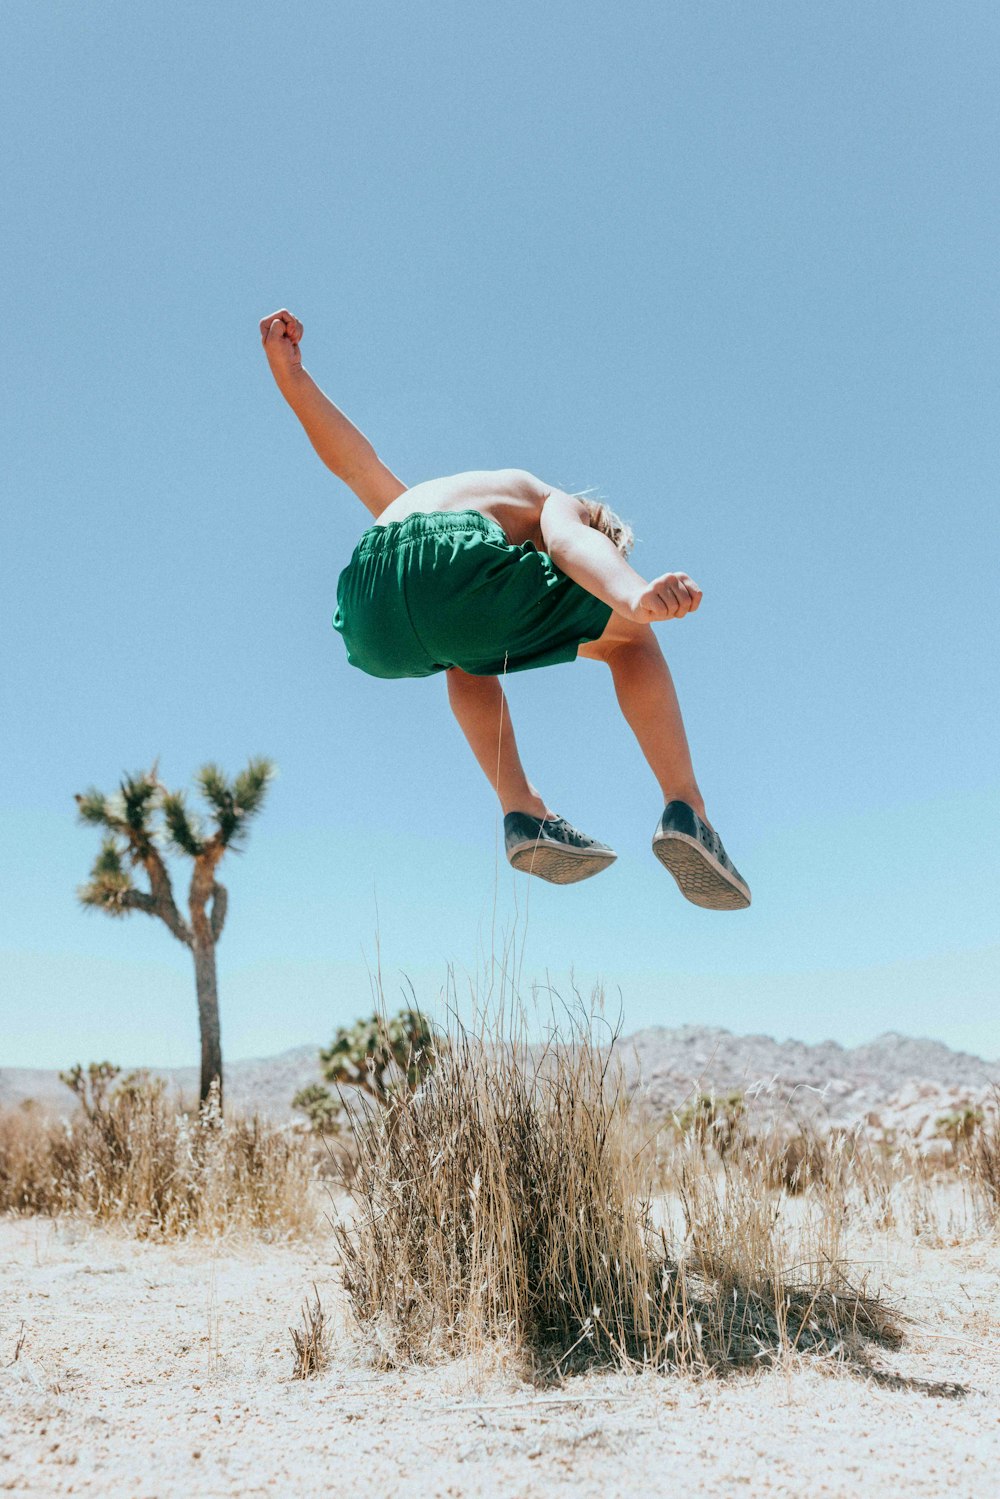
(378, 1057)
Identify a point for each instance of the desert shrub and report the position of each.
(128, 1156)
(984, 1157)
(507, 1199)
(92, 1083)
(795, 1161)
(795, 1155)
(712, 1120)
(311, 1341)
(763, 1298)
(849, 1177)
(959, 1126)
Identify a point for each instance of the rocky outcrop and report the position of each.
(824, 1083)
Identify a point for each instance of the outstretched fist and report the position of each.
(669, 597)
(280, 333)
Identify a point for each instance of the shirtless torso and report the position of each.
(510, 496)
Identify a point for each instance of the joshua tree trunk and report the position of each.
(207, 903)
(208, 1018)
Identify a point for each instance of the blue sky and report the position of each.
(733, 265)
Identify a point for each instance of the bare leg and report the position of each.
(647, 698)
(480, 706)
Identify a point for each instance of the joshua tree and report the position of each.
(133, 842)
(91, 1086)
(380, 1056)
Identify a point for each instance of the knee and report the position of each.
(621, 635)
(598, 650)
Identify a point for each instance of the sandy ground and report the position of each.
(150, 1371)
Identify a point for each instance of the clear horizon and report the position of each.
(734, 268)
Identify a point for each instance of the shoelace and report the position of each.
(569, 832)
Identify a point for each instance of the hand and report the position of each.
(280, 334)
(669, 597)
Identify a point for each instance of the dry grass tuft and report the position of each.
(773, 1285)
(508, 1200)
(132, 1158)
(983, 1151)
(311, 1342)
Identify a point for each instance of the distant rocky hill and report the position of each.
(839, 1082)
(897, 1081)
(896, 1084)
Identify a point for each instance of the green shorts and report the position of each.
(448, 589)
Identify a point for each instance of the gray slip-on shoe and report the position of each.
(553, 849)
(694, 854)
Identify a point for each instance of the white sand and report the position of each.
(151, 1371)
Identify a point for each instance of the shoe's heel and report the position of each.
(692, 851)
(699, 878)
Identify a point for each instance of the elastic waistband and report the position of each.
(429, 523)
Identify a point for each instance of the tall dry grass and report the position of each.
(981, 1153)
(510, 1200)
(838, 1179)
(137, 1161)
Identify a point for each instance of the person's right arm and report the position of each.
(344, 450)
(591, 559)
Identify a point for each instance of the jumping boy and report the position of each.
(485, 573)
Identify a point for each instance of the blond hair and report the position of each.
(603, 518)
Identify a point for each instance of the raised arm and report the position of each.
(591, 559)
(336, 439)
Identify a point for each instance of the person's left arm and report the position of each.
(591, 559)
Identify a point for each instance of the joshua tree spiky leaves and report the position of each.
(380, 1056)
(132, 841)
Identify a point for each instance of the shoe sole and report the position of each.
(559, 866)
(701, 879)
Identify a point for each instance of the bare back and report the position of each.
(510, 496)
